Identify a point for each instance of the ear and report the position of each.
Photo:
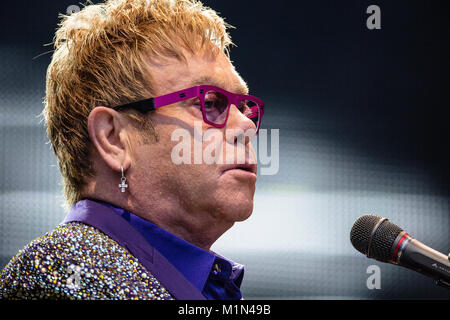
(108, 134)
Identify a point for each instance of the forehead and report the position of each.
(173, 75)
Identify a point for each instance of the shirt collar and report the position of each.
(193, 262)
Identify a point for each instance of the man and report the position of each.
(124, 76)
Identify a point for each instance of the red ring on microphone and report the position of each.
(394, 256)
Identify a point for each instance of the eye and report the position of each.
(210, 100)
(215, 102)
(209, 104)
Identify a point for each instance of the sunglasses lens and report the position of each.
(250, 109)
(216, 107)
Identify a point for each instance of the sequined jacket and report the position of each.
(93, 255)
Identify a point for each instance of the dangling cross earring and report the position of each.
(123, 181)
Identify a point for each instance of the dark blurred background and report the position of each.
(363, 128)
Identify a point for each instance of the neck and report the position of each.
(197, 226)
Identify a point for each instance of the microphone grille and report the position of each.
(361, 231)
(383, 239)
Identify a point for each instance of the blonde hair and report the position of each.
(100, 58)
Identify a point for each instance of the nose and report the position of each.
(241, 125)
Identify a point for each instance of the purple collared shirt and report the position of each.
(216, 277)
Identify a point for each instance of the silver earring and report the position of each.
(123, 181)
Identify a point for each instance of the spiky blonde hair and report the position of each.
(100, 58)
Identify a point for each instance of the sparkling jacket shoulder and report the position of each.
(77, 261)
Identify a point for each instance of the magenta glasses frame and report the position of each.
(200, 92)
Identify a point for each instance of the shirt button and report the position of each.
(216, 269)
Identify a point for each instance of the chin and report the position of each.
(240, 210)
(233, 204)
(244, 216)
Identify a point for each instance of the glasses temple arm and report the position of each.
(151, 104)
(175, 97)
(143, 106)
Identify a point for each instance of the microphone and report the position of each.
(380, 239)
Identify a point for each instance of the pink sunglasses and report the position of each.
(215, 104)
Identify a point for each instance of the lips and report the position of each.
(252, 168)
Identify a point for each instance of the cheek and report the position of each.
(197, 185)
(178, 168)
(217, 149)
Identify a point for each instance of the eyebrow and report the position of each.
(237, 88)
